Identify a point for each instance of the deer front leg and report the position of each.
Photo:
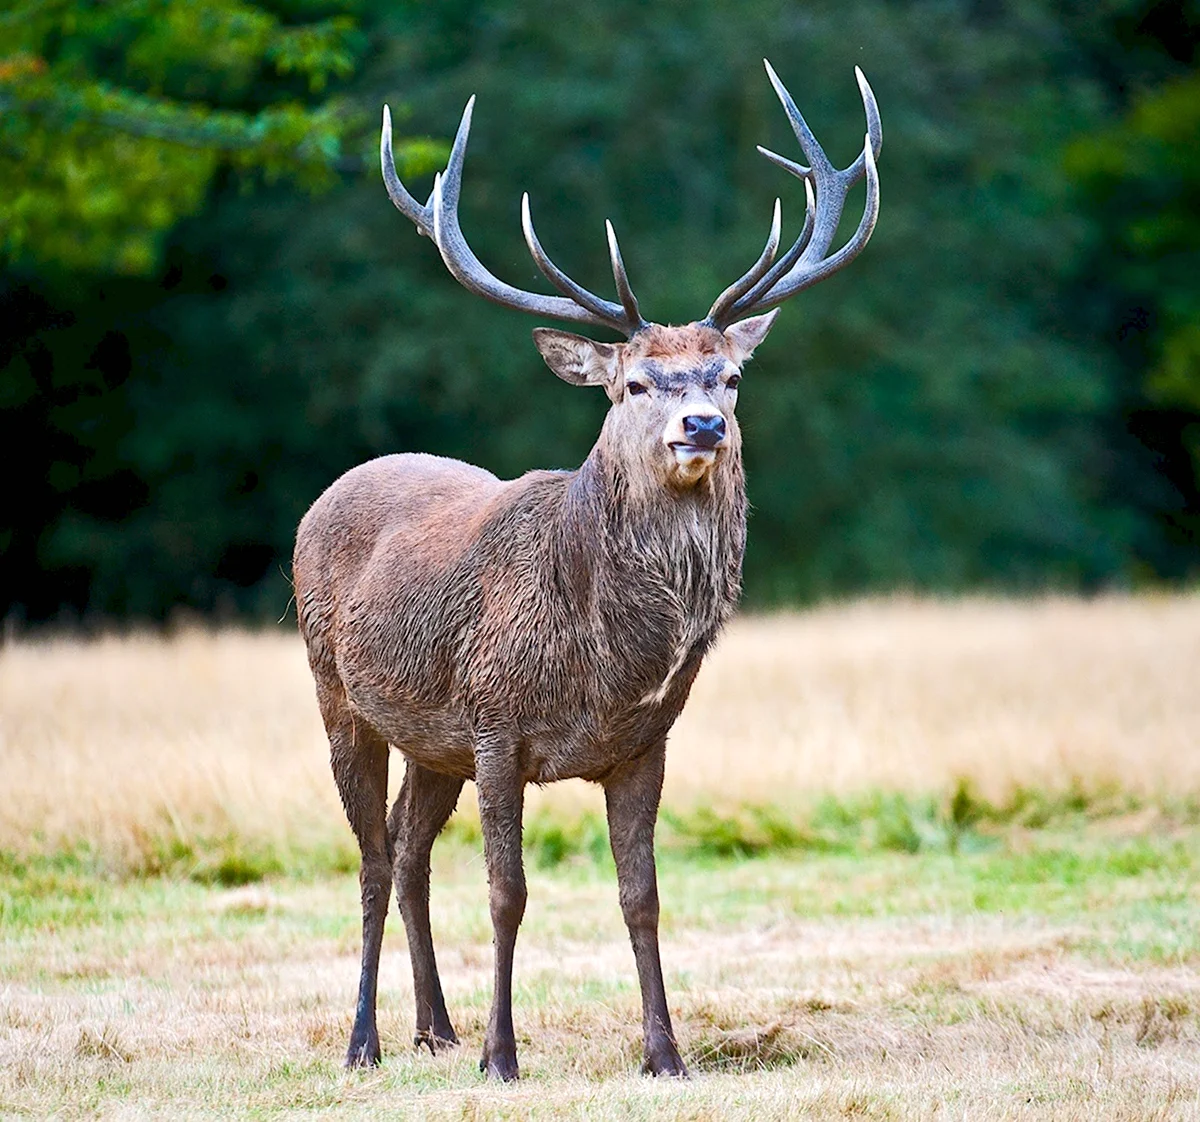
(632, 800)
(501, 794)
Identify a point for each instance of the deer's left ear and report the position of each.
(742, 337)
(580, 361)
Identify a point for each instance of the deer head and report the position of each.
(673, 389)
(673, 392)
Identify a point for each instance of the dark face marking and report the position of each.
(707, 375)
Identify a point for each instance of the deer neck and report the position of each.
(640, 541)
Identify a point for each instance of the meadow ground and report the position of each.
(918, 860)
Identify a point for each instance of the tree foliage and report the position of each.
(114, 117)
(949, 412)
(1139, 180)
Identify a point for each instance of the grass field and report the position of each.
(918, 860)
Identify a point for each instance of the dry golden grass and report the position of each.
(125, 740)
(1045, 977)
(912, 694)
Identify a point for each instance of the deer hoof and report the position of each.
(435, 1041)
(363, 1052)
(664, 1059)
(501, 1065)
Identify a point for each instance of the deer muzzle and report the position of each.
(695, 436)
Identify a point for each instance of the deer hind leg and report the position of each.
(501, 792)
(632, 798)
(359, 756)
(425, 802)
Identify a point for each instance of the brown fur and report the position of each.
(527, 631)
(678, 344)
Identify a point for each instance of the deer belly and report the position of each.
(598, 744)
(434, 736)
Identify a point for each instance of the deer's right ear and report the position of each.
(580, 361)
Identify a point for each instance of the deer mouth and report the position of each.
(693, 459)
(692, 455)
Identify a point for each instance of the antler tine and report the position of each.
(422, 216)
(821, 171)
(748, 299)
(809, 264)
(798, 170)
(808, 141)
(784, 264)
(452, 176)
(749, 279)
(857, 170)
(810, 271)
(605, 309)
(439, 217)
(624, 289)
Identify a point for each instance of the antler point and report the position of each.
(614, 250)
(465, 124)
(780, 89)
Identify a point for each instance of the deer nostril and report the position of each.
(705, 430)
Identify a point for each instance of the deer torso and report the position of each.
(555, 607)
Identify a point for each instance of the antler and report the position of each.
(439, 218)
(769, 283)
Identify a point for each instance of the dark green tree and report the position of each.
(1141, 179)
(949, 412)
(117, 121)
(925, 419)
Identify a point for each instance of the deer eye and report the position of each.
(634, 388)
(732, 381)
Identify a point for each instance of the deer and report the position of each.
(547, 627)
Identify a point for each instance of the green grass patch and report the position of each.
(1138, 895)
(798, 947)
(957, 822)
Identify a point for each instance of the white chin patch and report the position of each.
(692, 459)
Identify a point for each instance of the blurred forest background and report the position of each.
(209, 309)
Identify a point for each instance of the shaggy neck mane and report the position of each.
(624, 540)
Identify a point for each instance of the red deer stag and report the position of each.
(547, 627)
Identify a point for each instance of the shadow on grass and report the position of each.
(755, 1048)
